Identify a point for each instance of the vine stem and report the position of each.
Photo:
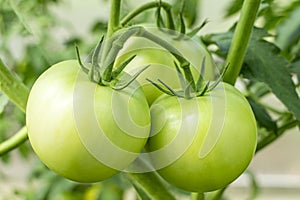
(197, 196)
(166, 6)
(150, 184)
(182, 60)
(240, 40)
(14, 141)
(114, 17)
(113, 26)
(18, 93)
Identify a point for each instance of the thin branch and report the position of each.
(241, 39)
(14, 141)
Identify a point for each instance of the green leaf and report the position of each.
(262, 116)
(3, 101)
(275, 13)
(13, 87)
(234, 7)
(295, 68)
(99, 27)
(263, 63)
(20, 16)
(288, 32)
(222, 40)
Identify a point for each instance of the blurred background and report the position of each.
(35, 34)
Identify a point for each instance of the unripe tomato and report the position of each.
(205, 143)
(84, 131)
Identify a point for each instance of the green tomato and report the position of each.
(205, 143)
(162, 61)
(81, 130)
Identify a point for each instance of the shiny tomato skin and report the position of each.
(202, 144)
(65, 115)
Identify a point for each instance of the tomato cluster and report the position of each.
(88, 132)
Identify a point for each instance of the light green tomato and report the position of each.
(205, 143)
(162, 61)
(84, 131)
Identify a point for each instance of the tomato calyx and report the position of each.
(103, 73)
(189, 88)
(100, 63)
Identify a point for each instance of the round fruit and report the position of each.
(204, 143)
(84, 131)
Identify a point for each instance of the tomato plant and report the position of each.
(62, 131)
(88, 120)
(208, 142)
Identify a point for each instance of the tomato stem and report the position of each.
(240, 40)
(116, 45)
(113, 26)
(114, 18)
(184, 64)
(197, 196)
(166, 6)
(18, 93)
(14, 141)
(148, 184)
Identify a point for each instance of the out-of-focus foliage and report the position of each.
(53, 187)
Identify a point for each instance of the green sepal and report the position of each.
(220, 78)
(203, 89)
(188, 74)
(168, 87)
(190, 89)
(180, 76)
(196, 30)
(117, 86)
(187, 91)
(119, 69)
(94, 73)
(83, 67)
(200, 81)
(96, 53)
(160, 87)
